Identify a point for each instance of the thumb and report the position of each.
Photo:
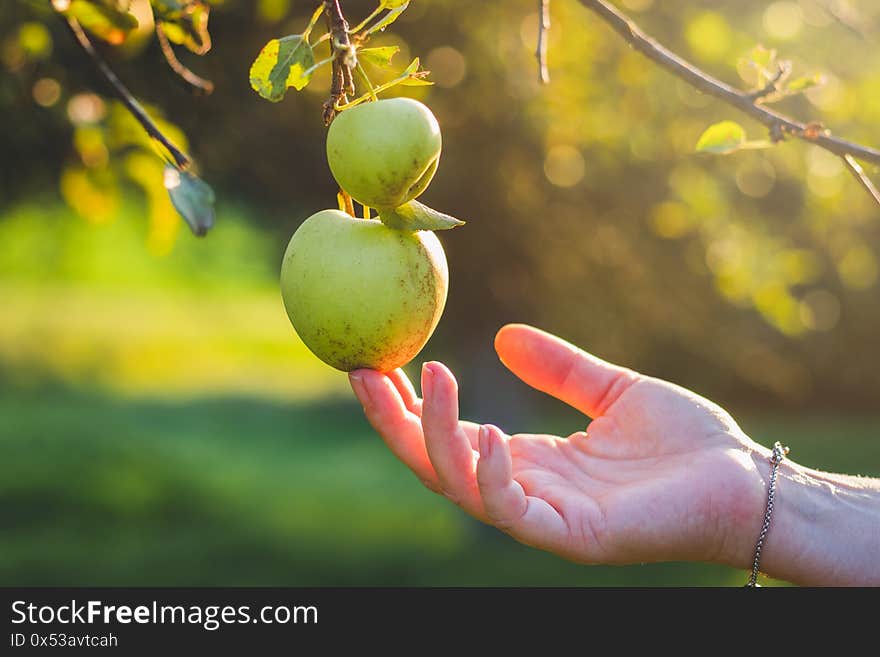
(560, 369)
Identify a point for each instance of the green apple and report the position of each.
(384, 153)
(360, 294)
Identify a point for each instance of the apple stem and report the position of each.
(346, 204)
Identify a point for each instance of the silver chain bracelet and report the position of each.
(779, 453)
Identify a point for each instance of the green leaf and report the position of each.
(724, 137)
(417, 216)
(758, 67)
(801, 84)
(380, 57)
(413, 77)
(394, 4)
(412, 68)
(416, 82)
(185, 22)
(192, 197)
(390, 17)
(108, 20)
(282, 63)
(728, 137)
(762, 57)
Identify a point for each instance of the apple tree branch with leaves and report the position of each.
(181, 28)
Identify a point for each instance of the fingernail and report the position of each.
(360, 389)
(427, 380)
(483, 438)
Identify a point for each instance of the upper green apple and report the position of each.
(360, 294)
(384, 153)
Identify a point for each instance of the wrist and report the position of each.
(743, 514)
(824, 529)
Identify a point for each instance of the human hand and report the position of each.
(660, 474)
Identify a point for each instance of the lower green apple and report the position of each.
(360, 294)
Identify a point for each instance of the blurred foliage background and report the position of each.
(160, 422)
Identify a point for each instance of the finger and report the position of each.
(529, 519)
(472, 431)
(407, 391)
(558, 368)
(447, 443)
(399, 428)
(414, 404)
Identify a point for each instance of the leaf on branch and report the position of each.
(413, 77)
(108, 20)
(417, 82)
(282, 63)
(397, 8)
(804, 83)
(765, 73)
(727, 137)
(418, 216)
(758, 66)
(192, 197)
(185, 22)
(763, 57)
(380, 57)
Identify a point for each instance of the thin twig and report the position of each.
(370, 87)
(541, 50)
(772, 85)
(779, 124)
(856, 169)
(131, 104)
(206, 86)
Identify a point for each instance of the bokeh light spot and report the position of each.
(35, 40)
(86, 108)
(755, 177)
(46, 92)
(708, 35)
(564, 166)
(858, 268)
(783, 20)
(447, 65)
(820, 310)
(272, 11)
(671, 220)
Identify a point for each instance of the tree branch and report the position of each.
(856, 169)
(344, 59)
(541, 50)
(782, 71)
(177, 66)
(131, 104)
(180, 158)
(778, 124)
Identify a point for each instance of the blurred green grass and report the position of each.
(88, 304)
(99, 490)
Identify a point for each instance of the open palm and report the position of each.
(660, 474)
